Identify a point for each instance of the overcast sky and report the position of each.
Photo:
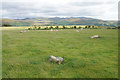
(100, 9)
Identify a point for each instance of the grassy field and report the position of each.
(25, 55)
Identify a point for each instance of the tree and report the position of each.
(88, 26)
(51, 27)
(38, 28)
(7, 25)
(63, 27)
(85, 26)
(56, 27)
(75, 27)
(79, 26)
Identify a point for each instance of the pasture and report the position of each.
(25, 55)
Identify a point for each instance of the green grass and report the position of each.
(25, 55)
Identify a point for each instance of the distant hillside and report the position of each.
(59, 21)
(11, 22)
(72, 21)
(79, 21)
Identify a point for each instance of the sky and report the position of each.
(100, 9)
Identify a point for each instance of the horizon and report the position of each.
(58, 17)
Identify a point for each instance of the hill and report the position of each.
(11, 22)
(59, 21)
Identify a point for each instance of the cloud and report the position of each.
(101, 9)
(86, 3)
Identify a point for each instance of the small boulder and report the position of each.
(21, 31)
(77, 30)
(95, 36)
(58, 60)
(25, 31)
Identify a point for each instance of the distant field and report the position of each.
(13, 28)
(25, 55)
